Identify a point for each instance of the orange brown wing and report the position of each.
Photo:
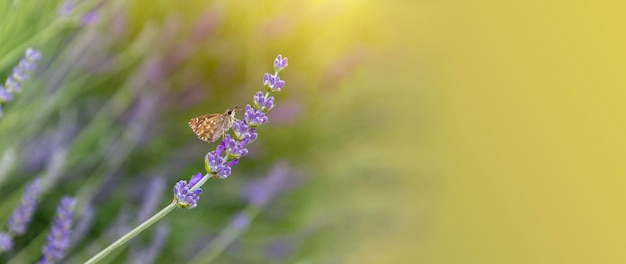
(207, 127)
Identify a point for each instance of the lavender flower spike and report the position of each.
(24, 212)
(183, 196)
(22, 71)
(59, 236)
(245, 130)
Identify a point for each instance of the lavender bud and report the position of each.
(234, 149)
(22, 71)
(183, 196)
(280, 63)
(24, 212)
(253, 117)
(32, 55)
(243, 132)
(262, 103)
(59, 236)
(273, 82)
(5, 95)
(6, 242)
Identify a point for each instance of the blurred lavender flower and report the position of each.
(83, 224)
(280, 249)
(152, 198)
(66, 8)
(183, 196)
(240, 221)
(24, 212)
(59, 236)
(5, 95)
(149, 254)
(6, 242)
(262, 191)
(20, 74)
(22, 71)
(90, 18)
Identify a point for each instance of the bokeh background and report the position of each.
(411, 131)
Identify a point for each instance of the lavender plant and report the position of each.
(22, 215)
(59, 236)
(218, 163)
(21, 73)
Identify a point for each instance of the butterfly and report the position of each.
(211, 127)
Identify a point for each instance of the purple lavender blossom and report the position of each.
(183, 196)
(280, 63)
(234, 148)
(215, 163)
(22, 71)
(59, 236)
(253, 117)
(6, 242)
(273, 82)
(66, 8)
(24, 212)
(5, 95)
(245, 130)
(262, 102)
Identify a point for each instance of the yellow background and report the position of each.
(507, 133)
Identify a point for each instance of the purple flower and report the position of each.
(273, 82)
(214, 163)
(5, 95)
(240, 221)
(253, 117)
(183, 196)
(262, 191)
(262, 102)
(91, 17)
(280, 63)
(195, 179)
(6, 242)
(22, 71)
(24, 212)
(66, 8)
(234, 148)
(243, 132)
(59, 236)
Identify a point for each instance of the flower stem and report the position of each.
(122, 240)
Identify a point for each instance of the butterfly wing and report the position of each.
(207, 127)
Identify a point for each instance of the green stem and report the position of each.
(132, 234)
